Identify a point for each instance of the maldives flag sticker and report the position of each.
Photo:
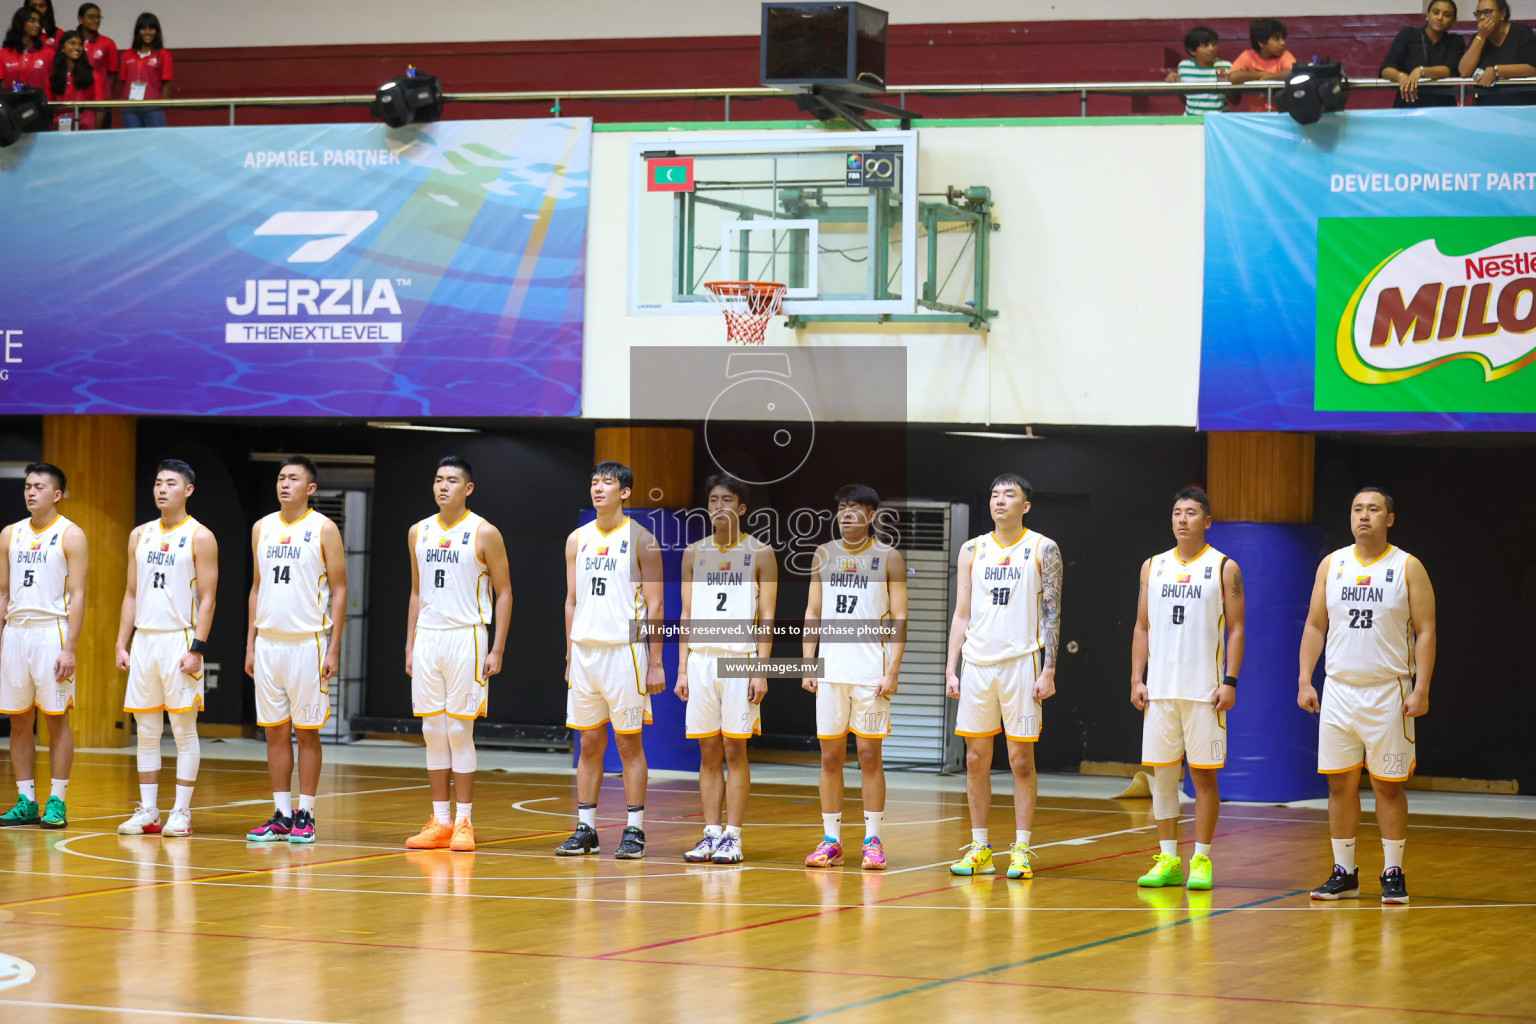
(669, 174)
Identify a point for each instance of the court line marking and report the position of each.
(14, 971)
(1078, 841)
(251, 803)
(519, 806)
(164, 1013)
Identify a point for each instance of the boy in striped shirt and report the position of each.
(1202, 66)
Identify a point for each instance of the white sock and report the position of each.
(1344, 853)
(28, 789)
(872, 821)
(713, 831)
(979, 836)
(1202, 849)
(1170, 847)
(462, 812)
(587, 815)
(636, 816)
(440, 812)
(1021, 837)
(832, 825)
(307, 802)
(733, 830)
(283, 802)
(183, 798)
(149, 795)
(1392, 849)
(60, 787)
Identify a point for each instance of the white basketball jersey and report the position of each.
(725, 588)
(294, 596)
(1187, 622)
(854, 587)
(454, 584)
(39, 573)
(1005, 599)
(1370, 630)
(166, 597)
(609, 597)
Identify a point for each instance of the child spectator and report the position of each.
(1501, 49)
(145, 73)
(1426, 52)
(1268, 61)
(44, 9)
(73, 82)
(1202, 66)
(24, 59)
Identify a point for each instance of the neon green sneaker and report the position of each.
(53, 813)
(1166, 870)
(977, 861)
(1018, 861)
(24, 813)
(1200, 874)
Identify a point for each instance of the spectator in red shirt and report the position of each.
(145, 73)
(44, 8)
(1268, 61)
(23, 57)
(73, 82)
(101, 52)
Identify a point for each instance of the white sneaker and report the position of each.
(728, 850)
(179, 823)
(145, 821)
(705, 850)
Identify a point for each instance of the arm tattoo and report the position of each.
(1237, 581)
(1051, 573)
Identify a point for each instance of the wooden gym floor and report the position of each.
(355, 928)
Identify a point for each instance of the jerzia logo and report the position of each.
(331, 230)
(1419, 309)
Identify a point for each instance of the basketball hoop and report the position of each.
(748, 306)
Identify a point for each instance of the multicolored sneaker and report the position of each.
(277, 829)
(1201, 874)
(703, 851)
(145, 822)
(434, 835)
(24, 813)
(179, 823)
(1018, 861)
(53, 814)
(874, 854)
(463, 837)
(828, 854)
(977, 861)
(1341, 885)
(580, 842)
(303, 827)
(1394, 886)
(1167, 869)
(631, 843)
(728, 850)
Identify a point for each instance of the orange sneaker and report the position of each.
(463, 838)
(433, 836)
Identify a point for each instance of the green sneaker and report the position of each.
(977, 861)
(24, 813)
(53, 813)
(1166, 870)
(1200, 874)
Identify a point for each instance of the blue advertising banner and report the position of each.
(1375, 271)
(304, 270)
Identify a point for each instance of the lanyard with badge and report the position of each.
(137, 90)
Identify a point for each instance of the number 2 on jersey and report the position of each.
(720, 601)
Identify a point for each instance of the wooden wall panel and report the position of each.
(662, 460)
(1260, 476)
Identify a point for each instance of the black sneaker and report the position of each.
(1394, 886)
(1341, 885)
(631, 844)
(582, 841)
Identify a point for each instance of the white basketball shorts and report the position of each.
(28, 653)
(1173, 730)
(1366, 725)
(999, 697)
(718, 705)
(608, 685)
(446, 666)
(842, 708)
(288, 683)
(155, 679)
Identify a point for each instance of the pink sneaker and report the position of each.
(874, 854)
(828, 854)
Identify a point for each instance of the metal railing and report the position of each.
(557, 97)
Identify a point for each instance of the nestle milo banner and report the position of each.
(1376, 271)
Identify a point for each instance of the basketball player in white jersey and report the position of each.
(1374, 611)
(1186, 651)
(613, 580)
(856, 580)
(1005, 630)
(173, 579)
(460, 583)
(42, 606)
(731, 581)
(298, 593)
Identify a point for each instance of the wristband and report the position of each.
(1229, 681)
(198, 646)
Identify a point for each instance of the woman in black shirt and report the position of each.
(1427, 52)
(1501, 49)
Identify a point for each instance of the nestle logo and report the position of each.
(1503, 265)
